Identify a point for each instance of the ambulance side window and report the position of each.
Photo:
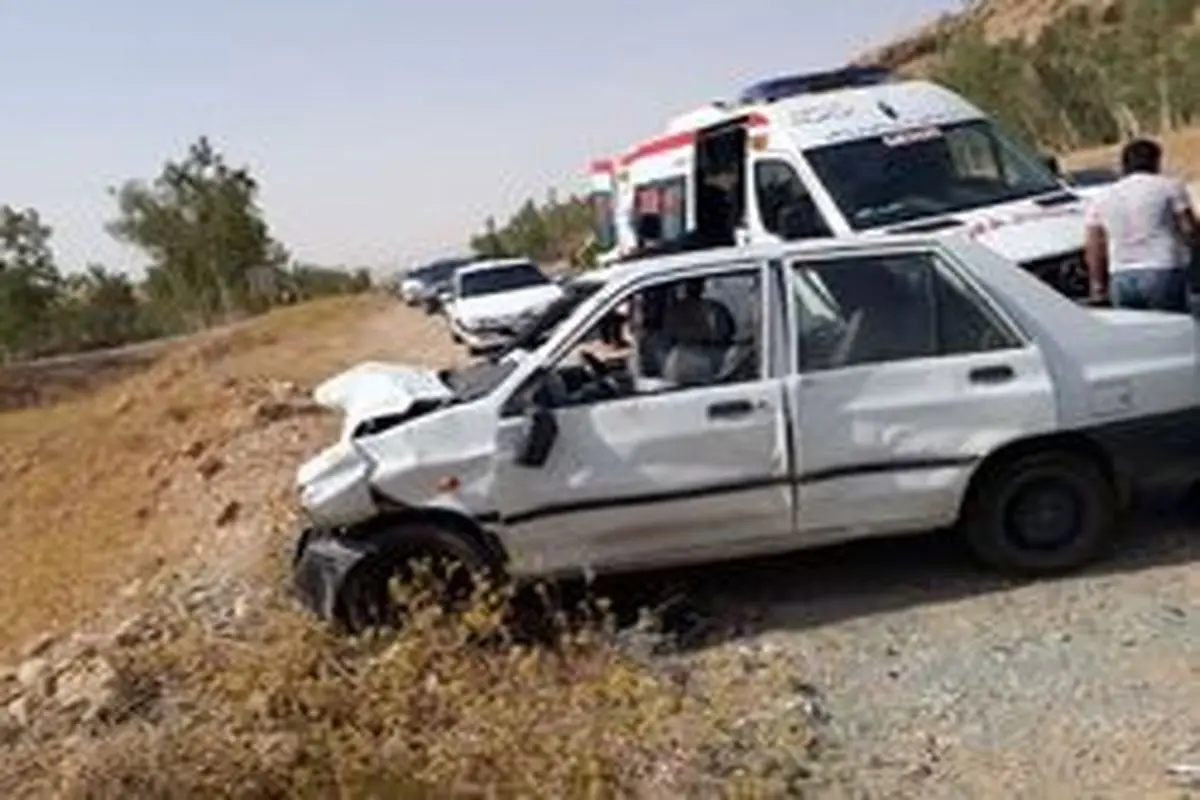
(665, 199)
(784, 204)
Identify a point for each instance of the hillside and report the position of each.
(916, 52)
(1067, 75)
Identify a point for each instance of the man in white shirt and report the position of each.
(1140, 233)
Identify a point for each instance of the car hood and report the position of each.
(375, 388)
(506, 304)
(1026, 231)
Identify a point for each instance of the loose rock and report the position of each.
(36, 677)
(40, 646)
(90, 688)
(229, 513)
(209, 468)
(20, 711)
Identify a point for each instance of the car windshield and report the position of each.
(888, 180)
(500, 279)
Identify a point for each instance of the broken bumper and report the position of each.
(321, 564)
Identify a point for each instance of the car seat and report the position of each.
(702, 348)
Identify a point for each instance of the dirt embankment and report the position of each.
(111, 474)
(154, 651)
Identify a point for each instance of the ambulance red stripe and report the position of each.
(664, 144)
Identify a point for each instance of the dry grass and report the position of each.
(105, 489)
(294, 712)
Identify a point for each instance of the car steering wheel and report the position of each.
(597, 367)
(600, 374)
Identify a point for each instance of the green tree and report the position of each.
(553, 232)
(29, 282)
(100, 308)
(1095, 75)
(490, 244)
(200, 224)
(308, 281)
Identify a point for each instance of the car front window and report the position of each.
(900, 178)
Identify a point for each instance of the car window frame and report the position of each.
(554, 351)
(779, 159)
(941, 262)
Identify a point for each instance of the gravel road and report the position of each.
(941, 680)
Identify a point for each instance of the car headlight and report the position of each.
(489, 323)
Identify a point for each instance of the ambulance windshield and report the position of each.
(898, 178)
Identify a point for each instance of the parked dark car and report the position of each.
(1091, 176)
(425, 285)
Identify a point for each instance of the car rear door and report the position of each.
(905, 376)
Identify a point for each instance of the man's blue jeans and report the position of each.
(1162, 289)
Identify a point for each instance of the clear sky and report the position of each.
(381, 131)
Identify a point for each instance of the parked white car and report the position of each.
(491, 299)
(778, 397)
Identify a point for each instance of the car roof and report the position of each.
(848, 115)
(493, 263)
(596, 275)
(982, 263)
(441, 264)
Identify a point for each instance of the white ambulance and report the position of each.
(842, 153)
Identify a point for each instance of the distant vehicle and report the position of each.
(425, 285)
(846, 152)
(1091, 176)
(490, 300)
(852, 388)
(536, 330)
(1090, 180)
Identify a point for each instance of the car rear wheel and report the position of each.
(1041, 513)
(416, 556)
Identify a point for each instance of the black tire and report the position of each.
(365, 599)
(1010, 527)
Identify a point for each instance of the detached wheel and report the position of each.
(1041, 513)
(367, 597)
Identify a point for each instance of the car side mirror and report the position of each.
(1052, 164)
(541, 431)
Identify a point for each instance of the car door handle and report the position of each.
(730, 408)
(997, 373)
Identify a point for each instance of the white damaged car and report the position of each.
(776, 397)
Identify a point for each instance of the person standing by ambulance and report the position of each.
(1140, 232)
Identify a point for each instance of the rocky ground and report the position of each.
(921, 676)
(942, 682)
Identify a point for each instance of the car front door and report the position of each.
(905, 377)
(665, 472)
